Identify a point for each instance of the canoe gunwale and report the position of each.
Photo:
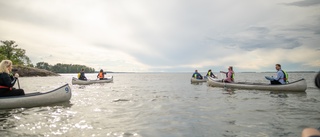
(76, 81)
(194, 80)
(36, 93)
(296, 86)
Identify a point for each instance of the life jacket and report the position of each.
(195, 75)
(79, 74)
(5, 87)
(209, 74)
(285, 76)
(101, 75)
(232, 76)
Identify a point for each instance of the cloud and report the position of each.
(254, 38)
(305, 3)
(163, 35)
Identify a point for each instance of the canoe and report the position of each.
(205, 79)
(61, 94)
(296, 86)
(194, 80)
(87, 82)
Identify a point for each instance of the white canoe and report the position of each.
(205, 79)
(87, 82)
(296, 86)
(61, 94)
(194, 80)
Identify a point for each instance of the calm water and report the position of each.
(166, 105)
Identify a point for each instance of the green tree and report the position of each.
(9, 50)
(64, 68)
(43, 65)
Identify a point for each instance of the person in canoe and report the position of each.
(81, 75)
(101, 74)
(282, 76)
(197, 75)
(7, 81)
(229, 75)
(210, 74)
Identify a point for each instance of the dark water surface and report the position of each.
(165, 104)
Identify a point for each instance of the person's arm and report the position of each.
(9, 81)
(214, 75)
(223, 72)
(278, 76)
(84, 76)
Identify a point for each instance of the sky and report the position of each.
(167, 35)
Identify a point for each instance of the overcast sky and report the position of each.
(167, 35)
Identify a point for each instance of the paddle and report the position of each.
(15, 71)
(18, 83)
(221, 76)
(317, 80)
(223, 79)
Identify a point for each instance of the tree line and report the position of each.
(9, 50)
(64, 68)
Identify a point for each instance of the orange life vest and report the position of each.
(101, 75)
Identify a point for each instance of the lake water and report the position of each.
(165, 105)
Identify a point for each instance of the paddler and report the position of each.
(229, 75)
(282, 76)
(210, 74)
(197, 75)
(7, 81)
(81, 75)
(101, 75)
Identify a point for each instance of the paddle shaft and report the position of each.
(18, 83)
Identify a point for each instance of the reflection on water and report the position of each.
(145, 104)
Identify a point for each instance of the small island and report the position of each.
(25, 71)
(23, 66)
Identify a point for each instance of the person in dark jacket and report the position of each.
(210, 74)
(81, 75)
(7, 81)
(197, 75)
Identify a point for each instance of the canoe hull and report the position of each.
(194, 80)
(205, 79)
(76, 81)
(61, 94)
(297, 86)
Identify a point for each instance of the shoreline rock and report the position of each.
(24, 71)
